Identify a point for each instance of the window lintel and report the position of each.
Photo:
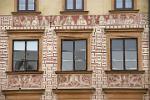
(107, 30)
(124, 71)
(13, 31)
(73, 31)
(22, 91)
(86, 90)
(24, 72)
(125, 90)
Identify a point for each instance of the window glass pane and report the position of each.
(32, 55)
(117, 60)
(69, 4)
(22, 4)
(119, 3)
(117, 44)
(78, 4)
(130, 44)
(31, 5)
(128, 3)
(131, 60)
(80, 55)
(19, 55)
(67, 55)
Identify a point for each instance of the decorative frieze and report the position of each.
(74, 20)
(125, 80)
(74, 80)
(24, 81)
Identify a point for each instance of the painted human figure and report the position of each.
(26, 22)
(44, 21)
(81, 21)
(101, 20)
(69, 21)
(35, 22)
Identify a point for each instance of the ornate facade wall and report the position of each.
(99, 79)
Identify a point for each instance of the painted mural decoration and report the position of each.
(125, 80)
(80, 20)
(74, 80)
(24, 81)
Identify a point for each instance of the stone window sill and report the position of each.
(29, 72)
(124, 11)
(124, 72)
(125, 90)
(73, 72)
(26, 13)
(74, 12)
(87, 90)
(23, 91)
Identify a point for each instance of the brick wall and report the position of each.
(98, 49)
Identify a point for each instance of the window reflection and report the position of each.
(124, 54)
(67, 55)
(73, 55)
(128, 4)
(78, 4)
(31, 4)
(26, 5)
(22, 4)
(124, 4)
(25, 55)
(119, 3)
(74, 4)
(69, 4)
(80, 55)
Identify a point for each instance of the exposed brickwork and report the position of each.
(3, 60)
(98, 49)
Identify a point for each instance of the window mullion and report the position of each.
(124, 54)
(132, 4)
(82, 4)
(74, 55)
(124, 2)
(18, 4)
(38, 57)
(74, 4)
(26, 5)
(25, 61)
(13, 57)
(137, 53)
(34, 4)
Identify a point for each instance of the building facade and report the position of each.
(74, 50)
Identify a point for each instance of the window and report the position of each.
(73, 55)
(124, 50)
(26, 5)
(25, 55)
(74, 5)
(73, 50)
(124, 4)
(124, 54)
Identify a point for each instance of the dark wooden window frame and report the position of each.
(25, 55)
(123, 52)
(123, 8)
(73, 52)
(26, 7)
(74, 6)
